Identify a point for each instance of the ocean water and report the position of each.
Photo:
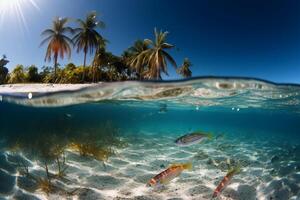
(107, 140)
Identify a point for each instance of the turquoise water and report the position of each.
(255, 124)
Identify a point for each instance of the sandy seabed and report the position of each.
(269, 171)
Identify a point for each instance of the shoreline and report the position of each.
(42, 87)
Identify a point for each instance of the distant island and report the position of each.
(145, 60)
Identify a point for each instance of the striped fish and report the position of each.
(192, 138)
(225, 181)
(169, 174)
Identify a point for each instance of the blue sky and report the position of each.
(237, 38)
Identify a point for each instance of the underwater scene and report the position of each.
(203, 138)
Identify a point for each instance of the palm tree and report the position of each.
(156, 57)
(184, 70)
(135, 57)
(58, 41)
(86, 36)
(100, 58)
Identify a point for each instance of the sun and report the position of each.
(14, 10)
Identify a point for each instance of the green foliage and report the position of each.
(58, 41)
(27, 75)
(17, 75)
(150, 57)
(3, 75)
(146, 59)
(3, 70)
(33, 74)
(86, 38)
(185, 70)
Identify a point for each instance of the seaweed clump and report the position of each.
(98, 143)
(49, 150)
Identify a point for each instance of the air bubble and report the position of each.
(29, 95)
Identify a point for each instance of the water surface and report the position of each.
(130, 129)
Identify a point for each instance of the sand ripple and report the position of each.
(267, 173)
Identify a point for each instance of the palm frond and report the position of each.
(46, 40)
(170, 59)
(48, 32)
(167, 46)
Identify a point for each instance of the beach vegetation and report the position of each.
(86, 37)
(17, 75)
(135, 58)
(58, 40)
(157, 56)
(32, 75)
(146, 59)
(184, 70)
(150, 57)
(3, 70)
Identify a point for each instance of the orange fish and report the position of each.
(225, 181)
(169, 174)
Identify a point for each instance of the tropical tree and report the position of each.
(17, 75)
(58, 41)
(116, 69)
(86, 37)
(3, 74)
(135, 57)
(46, 74)
(156, 57)
(101, 58)
(184, 70)
(32, 74)
(72, 74)
(3, 69)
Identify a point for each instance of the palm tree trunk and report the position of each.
(157, 74)
(94, 71)
(84, 64)
(55, 64)
(84, 61)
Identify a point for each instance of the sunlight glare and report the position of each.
(14, 10)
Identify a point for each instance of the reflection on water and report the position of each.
(107, 141)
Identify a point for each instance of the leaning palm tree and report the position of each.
(86, 36)
(156, 57)
(58, 40)
(184, 70)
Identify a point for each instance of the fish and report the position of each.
(68, 115)
(169, 174)
(192, 138)
(225, 181)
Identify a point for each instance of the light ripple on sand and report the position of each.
(125, 175)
